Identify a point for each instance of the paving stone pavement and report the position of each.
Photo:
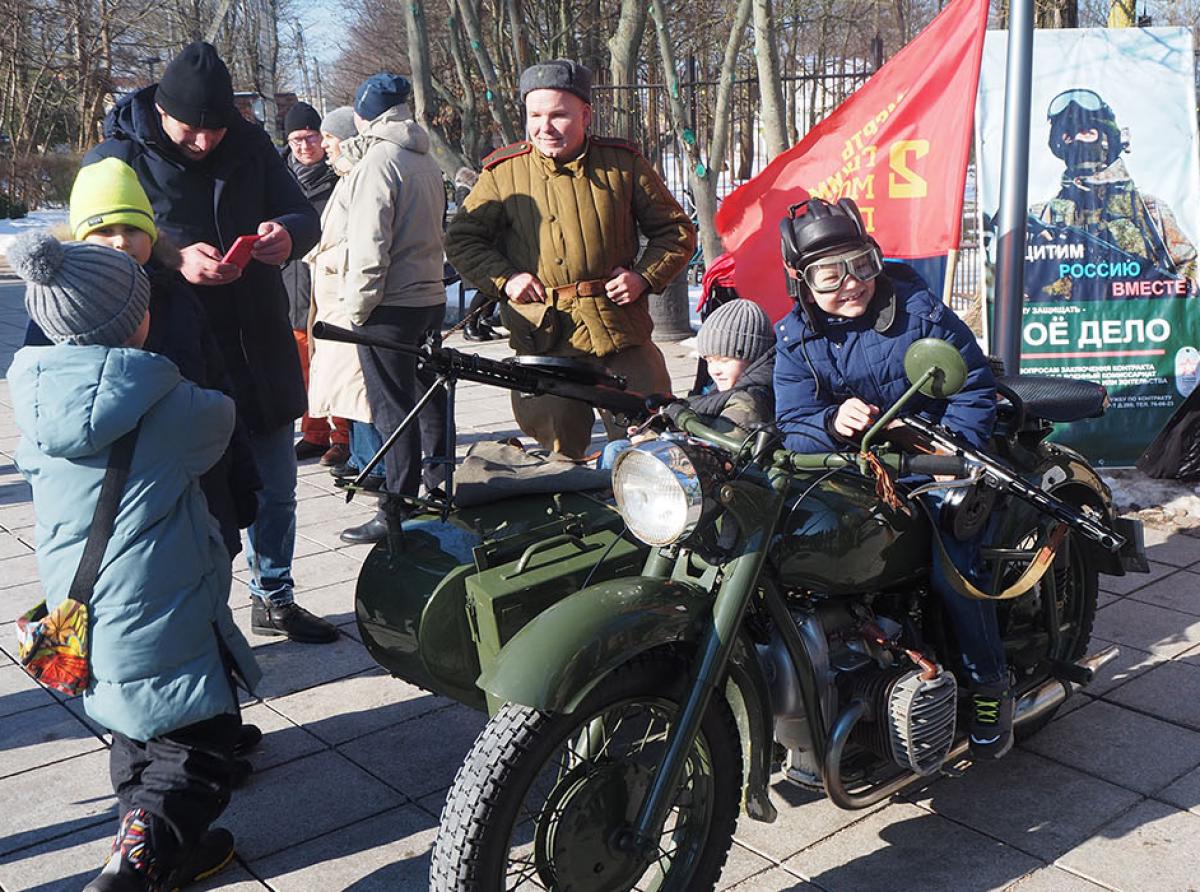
(355, 765)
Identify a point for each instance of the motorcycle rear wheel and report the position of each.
(1075, 587)
(540, 799)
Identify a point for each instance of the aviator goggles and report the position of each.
(827, 274)
(1085, 99)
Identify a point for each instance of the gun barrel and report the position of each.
(326, 332)
(506, 375)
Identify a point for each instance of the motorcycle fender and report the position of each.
(559, 656)
(747, 694)
(1075, 482)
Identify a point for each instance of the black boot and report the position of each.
(248, 739)
(991, 723)
(477, 330)
(291, 620)
(132, 865)
(373, 531)
(208, 857)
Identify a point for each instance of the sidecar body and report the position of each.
(436, 611)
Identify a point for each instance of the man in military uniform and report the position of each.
(1112, 227)
(551, 230)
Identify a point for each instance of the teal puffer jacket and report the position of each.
(162, 636)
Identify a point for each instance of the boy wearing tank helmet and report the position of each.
(1099, 204)
(840, 361)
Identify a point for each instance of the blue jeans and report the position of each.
(612, 449)
(364, 443)
(974, 621)
(271, 539)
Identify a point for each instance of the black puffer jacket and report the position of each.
(316, 181)
(241, 184)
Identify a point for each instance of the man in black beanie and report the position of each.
(212, 176)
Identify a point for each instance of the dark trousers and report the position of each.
(394, 384)
(975, 623)
(181, 779)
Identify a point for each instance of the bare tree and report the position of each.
(770, 86)
(448, 158)
(623, 47)
(700, 178)
(496, 98)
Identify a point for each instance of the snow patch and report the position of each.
(1167, 504)
(43, 218)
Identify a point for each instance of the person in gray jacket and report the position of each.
(393, 286)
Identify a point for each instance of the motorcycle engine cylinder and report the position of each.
(909, 720)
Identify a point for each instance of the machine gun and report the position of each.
(532, 375)
(1041, 274)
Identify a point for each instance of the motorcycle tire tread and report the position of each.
(1091, 595)
(456, 864)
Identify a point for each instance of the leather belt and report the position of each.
(582, 288)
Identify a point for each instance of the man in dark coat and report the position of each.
(305, 160)
(212, 176)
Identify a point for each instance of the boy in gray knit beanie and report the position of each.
(82, 293)
(163, 650)
(738, 344)
(732, 339)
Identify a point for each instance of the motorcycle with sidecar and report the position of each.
(646, 666)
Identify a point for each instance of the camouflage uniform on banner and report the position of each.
(1100, 211)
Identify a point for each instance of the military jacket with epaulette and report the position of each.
(570, 222)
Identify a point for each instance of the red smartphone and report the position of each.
(239, 253)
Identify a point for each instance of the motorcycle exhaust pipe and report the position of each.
(1053, 692)
(1030, 706)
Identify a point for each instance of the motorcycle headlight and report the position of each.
(659, 491)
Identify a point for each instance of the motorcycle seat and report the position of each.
(1056, 399)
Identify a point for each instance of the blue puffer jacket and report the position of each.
(162, 636)
(815, 372)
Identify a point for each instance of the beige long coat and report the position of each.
(335, 378)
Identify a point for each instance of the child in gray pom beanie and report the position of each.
(162, 645)
(81, 293)
(738, 344)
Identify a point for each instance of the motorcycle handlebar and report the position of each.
(934, 465)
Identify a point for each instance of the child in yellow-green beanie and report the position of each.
(110, 207)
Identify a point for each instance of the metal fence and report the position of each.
(643, 114)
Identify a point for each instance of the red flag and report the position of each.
(898, 146)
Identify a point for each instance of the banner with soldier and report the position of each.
(1111, 270)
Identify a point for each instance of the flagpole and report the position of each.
(1014, 188)
(951, 269)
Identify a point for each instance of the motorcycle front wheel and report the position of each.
(541, 799)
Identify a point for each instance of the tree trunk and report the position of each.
(269, 10)
(218, 19)
(623, 47)
(447, 158)
(464, 101)
(700, 177)
(722, 116)
(520, 44)
(770, 86)
(496, 101)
